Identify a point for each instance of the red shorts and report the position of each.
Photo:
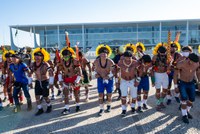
(71, 80)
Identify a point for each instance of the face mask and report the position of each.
(186, 54)
(66, 58)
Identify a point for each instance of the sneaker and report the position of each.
(185, 119)
(53, 97)
(139, 109)
(4, 99)
(189, 115)
(17, 109)
(78, 108)
(49, 109)
(101, 112)
(66, 111)
(108, 109)
(177, 100)
(158, 108)
(162, 105)
(133, 110)
(10, 105)
(169, 101)
(59, 93)
(145, 107)
(39, 112)
(123, 113)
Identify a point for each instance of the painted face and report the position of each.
(38, 59)
(66, 57)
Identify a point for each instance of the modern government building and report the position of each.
(114, 34)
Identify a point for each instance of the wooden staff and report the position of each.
(169, 47)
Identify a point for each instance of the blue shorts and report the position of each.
(144, 84)
(104, 86)
(187, 91)
(170, 76)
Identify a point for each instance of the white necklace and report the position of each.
(127, 65)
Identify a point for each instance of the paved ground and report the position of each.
(87, 121)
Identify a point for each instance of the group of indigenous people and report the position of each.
(131, 71)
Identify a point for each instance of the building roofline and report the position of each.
(102, 23)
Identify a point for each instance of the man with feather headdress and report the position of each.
(7, 79)
(129, 77)
(44, 78)
(69, 76)
(161, 66)
(103, 68)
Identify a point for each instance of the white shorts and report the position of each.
(125, 85)
(161, 79)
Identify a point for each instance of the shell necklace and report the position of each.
(127, 65)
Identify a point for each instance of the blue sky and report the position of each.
(24, 12)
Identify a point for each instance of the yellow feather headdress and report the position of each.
(142, 45)
(43, 51)
(177, 45)
(70, 50)
(5, 52)
(132, 46)
(105, 46)
(155, 50)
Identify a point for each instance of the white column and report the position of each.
(58, 30)
(187, 33)
(160, 30)
(45, 37)
(83, 38)
(13, 47)
(137, 32)
(35, 41)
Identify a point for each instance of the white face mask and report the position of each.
(186, 54)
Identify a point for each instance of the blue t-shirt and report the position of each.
(19, 72)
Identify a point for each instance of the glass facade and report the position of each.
(116, 34)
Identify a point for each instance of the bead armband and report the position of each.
(138, 79)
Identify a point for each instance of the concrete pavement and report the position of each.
(87, 120)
